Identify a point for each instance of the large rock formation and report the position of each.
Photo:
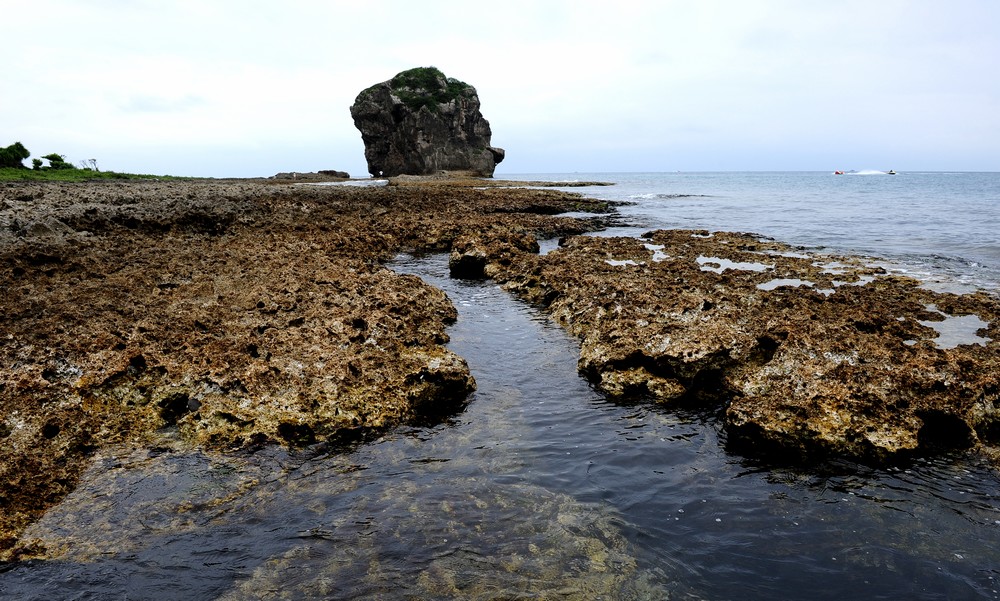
(421, 122)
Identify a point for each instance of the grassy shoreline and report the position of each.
(74, 175)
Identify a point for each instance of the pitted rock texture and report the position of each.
(810, 356)
(239, 313)
(421, 122)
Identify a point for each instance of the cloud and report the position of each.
(159, 104)
(763, 82)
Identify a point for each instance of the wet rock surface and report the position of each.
(807, 355)
(241, 313)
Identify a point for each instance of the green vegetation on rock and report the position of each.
(427, 86)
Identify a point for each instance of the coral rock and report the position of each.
(808, 355)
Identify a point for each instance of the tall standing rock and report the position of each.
(421, 122)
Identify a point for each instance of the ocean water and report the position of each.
(936, 225)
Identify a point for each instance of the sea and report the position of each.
(932, 224)
(542, 487)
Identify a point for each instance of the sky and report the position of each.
(221, 88)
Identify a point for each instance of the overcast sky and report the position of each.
(245, 88)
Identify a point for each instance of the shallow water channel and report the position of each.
(541, 488)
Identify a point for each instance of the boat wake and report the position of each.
(868, 172)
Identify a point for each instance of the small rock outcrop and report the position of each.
(322, 174)
(421, 122)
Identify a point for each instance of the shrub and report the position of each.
(58, 161)
(13, 156)
(427, 86)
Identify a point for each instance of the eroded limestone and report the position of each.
(847, 366)
(241, 313)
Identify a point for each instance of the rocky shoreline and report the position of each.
(806, 356)
(245, 313)
(241, 313)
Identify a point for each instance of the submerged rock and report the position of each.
(421, 122)
(468, 539)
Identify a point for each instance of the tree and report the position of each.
(58, 161)
(13, 156)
